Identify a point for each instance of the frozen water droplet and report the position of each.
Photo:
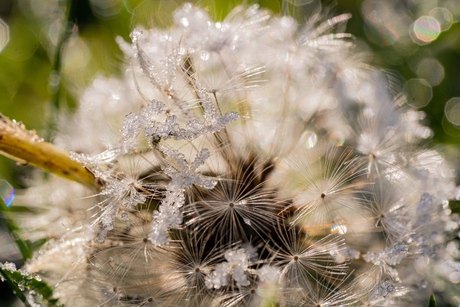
(184, 22)
(54, 78)
(247, 221)
(341, 229)
(309, 139)
(6, 192)
(205, 56)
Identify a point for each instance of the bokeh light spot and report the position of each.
(449, 128)
(76, 55)
(106, 8)
(6, 192)
(452, 110)
(418, 92)
(443, 16)
(299, 2)
(4, 34)
(337, 138)
(309, 139)
(455, 277)
(431, 70)
(426, 29)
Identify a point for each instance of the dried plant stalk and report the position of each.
(26, 147)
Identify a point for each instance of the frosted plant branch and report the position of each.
(26, 147)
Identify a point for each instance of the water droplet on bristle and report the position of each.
(309, 139)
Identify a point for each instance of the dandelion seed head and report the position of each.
(250, 161)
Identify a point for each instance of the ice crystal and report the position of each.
(236, 266)
(268, 273)
(384, 288)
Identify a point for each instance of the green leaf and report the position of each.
(25, 246)
(31, 283)
(14, 287)
(432, 301)
(18, 281)
(14, 279)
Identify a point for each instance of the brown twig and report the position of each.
(26, 147)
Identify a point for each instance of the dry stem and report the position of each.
(26, 147)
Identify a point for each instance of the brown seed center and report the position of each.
(323, 195)
(231, 205)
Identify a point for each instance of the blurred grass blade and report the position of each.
(24, 146)
(33, 284)
(71, 8)
(14, 287)
(25, 246)
(19, 281)
(432, 301)
(16, 278)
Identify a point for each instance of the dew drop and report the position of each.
(184, 22)
(309, 139)
(205, 56)
(341, 229)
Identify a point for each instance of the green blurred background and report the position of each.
(50, 50)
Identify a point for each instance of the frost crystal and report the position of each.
(385, 288)
(236, 266)
(268, 273)
(391, 255)
(183, 176)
